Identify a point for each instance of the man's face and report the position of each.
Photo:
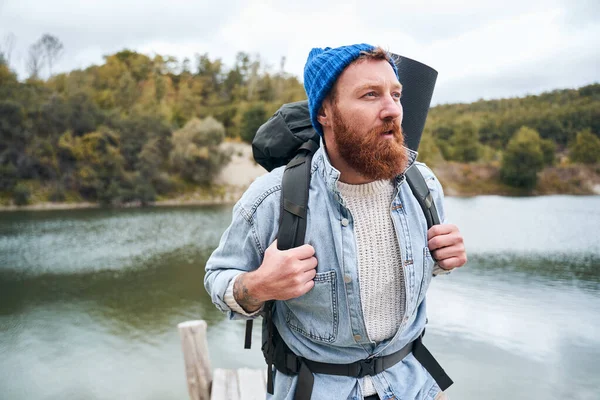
(366, 117)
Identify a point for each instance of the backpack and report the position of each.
(288, 138)
(294, 194)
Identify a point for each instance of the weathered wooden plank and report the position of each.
(196, 357)
(225, 385)
(251, 383)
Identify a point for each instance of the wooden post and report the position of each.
(197, 361)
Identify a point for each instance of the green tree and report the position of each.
(549, 149)
(136, 131)
(429, 152)
(21, 194)
(143, 190)
(8, 176)
(196, 155)
(209, 76)
(14, 139)
(139, 65)
(85, 116)
(99, 171)
(585, 148)
(523, 159)
(127, 91)
(252, 119)
(43, 158)
(465, 142)
(8, 79)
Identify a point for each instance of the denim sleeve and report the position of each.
(238, 252)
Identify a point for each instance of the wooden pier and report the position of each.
(222, 384)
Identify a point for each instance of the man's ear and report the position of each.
(324, 115)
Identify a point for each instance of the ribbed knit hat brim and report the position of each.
(321, 71)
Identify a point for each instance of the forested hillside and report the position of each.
(510, 141)
(131, 129)
(138, 128)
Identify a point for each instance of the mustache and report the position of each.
(388, 126)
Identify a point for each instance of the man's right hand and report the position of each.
(283, 275)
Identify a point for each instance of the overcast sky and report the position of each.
(481, 49)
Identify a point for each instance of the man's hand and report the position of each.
(447, 246)
(283, 275)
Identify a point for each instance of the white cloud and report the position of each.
(481, 49)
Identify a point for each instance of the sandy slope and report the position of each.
(242, 169)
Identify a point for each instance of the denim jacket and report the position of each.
(327, 324)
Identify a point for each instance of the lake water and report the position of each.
(90, 300)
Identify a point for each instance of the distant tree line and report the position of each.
(138, 128)
(522, 135)
(132, 129)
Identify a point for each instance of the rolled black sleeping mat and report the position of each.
(418, 81)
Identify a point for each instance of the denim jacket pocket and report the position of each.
(428, 263)
(315, 314)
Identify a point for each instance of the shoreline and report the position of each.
(231, 196)
(86, 205)
(457, 179)
(48, 206)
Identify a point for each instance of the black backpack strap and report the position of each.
(294, 198)
(268, 348)
(421, 192)
(428, 362)
(292, 230)
(423, 195)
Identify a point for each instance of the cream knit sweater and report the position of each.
(380, 274)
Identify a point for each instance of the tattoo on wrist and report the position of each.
(241, 295)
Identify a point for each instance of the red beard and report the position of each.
(369, 154)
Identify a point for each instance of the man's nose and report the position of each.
(391, 108)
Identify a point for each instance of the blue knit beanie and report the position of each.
(322, 69)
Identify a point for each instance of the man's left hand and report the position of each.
(447, 246)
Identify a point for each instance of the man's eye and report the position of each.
(371, 94)
(397, 95)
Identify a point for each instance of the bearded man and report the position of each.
(352, 299)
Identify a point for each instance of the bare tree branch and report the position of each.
(35, 59)
(53, 49)
(7, 47)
